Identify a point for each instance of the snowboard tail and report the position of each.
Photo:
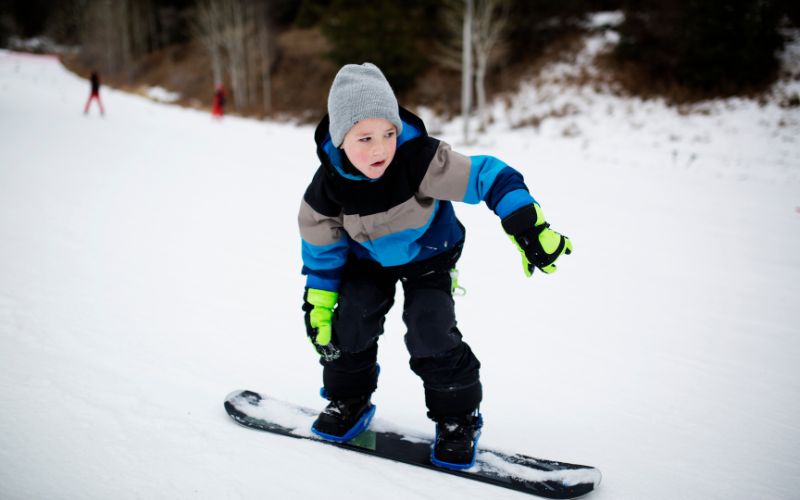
(545, 478)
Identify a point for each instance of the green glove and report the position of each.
(318, 305)
(539, 245)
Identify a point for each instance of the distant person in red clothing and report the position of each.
(95, 95)
(218, 105)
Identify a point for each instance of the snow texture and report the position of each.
(149, 264)
(160, 94)
(281, 413)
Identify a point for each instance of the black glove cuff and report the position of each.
(520, 221)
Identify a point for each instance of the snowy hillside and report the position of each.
(149, 265)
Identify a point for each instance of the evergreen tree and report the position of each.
(712, 47)
(385, 32)
(534, 24)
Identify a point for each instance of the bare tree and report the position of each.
(114, 33)
(234, 32)
(455, 50)
(226, 30)
(448, 52)
(264, 49)
(208, 26)
(466, 71)
(233, 40)
(104, 36)
(237, 35)
(473, 29)
(491, 22)
(107, 20)
(142, 27)
(124, 55)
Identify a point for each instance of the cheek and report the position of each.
(393, 149)
(358, 156)
(349, 150)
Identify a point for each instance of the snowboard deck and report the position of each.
(544, 478)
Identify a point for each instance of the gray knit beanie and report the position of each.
(358, 92)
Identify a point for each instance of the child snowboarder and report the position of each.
(378, 211)
(95, 94)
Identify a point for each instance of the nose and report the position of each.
(378, 147)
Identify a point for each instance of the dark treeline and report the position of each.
(714, 47)
(711, 46)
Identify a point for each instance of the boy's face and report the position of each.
(370, 145)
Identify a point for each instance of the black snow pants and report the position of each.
(445, 363)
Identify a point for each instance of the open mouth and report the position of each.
(378, 164)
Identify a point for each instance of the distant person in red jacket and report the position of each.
(95, 95)
(218, 105)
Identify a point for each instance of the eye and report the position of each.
(390, 134)
(365, 139)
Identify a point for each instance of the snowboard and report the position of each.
(544, 478)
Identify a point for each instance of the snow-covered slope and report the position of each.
(149, 264)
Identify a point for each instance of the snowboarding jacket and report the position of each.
(404, 216)
(95, 80)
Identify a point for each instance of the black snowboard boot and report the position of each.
(456, 441)
(342, 419)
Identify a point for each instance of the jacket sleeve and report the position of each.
(324, 241)
(472, 179)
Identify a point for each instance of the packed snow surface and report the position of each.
(161, 94)
(150, 265)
